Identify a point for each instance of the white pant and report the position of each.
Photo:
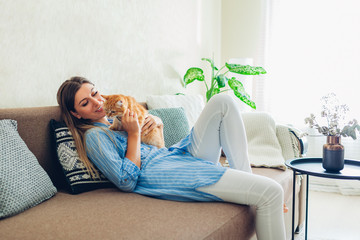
(220, 126)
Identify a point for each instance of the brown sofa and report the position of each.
(111, 214)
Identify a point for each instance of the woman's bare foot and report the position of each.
(286, 209)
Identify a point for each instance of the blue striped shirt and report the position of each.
(166, 173)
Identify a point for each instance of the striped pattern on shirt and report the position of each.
(172, 174)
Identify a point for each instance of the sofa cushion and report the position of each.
(263, 145)
(192, 104)
(111, 214)
(176, 125)
(77, 177)
(23, 182)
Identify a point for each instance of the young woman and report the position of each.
(188, 170)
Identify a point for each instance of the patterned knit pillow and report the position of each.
(176, 125)
(23, 182)
(77, 177)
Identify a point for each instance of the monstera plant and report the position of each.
(219, 80)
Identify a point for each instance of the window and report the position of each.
(314, 49)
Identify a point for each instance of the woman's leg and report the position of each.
(250, 189)
(220, 126)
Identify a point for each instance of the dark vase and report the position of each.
(333, 154)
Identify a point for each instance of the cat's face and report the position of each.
(115, 105)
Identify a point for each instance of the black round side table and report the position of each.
(313, 167)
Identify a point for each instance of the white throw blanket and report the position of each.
(264, 146)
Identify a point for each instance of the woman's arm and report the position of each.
(111, 159)
(131, 125)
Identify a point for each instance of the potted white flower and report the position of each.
(336, 127)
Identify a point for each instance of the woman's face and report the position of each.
(88, 104)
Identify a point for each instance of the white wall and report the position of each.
(137, 47)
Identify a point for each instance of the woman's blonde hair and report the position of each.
(77, 127)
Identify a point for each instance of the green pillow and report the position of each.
(176, 125)
(23, 182)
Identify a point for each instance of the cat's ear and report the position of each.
(105, 97)
(119, 103)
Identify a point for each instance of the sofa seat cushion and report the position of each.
(117, 215)
(281, 176)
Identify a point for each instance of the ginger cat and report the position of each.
(116, 105)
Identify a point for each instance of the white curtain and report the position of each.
(313, 49)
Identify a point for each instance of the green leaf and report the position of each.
(221, 80)
(239, 92)
(245, 69)
(236, 85)
(211, 92)
(193, 74)
(211, 62)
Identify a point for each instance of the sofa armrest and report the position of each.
(292, 141)
(302, 140)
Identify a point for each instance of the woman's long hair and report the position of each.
(77, 127)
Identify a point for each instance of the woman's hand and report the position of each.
(130, 122)
(150, 123)
(131, 125)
